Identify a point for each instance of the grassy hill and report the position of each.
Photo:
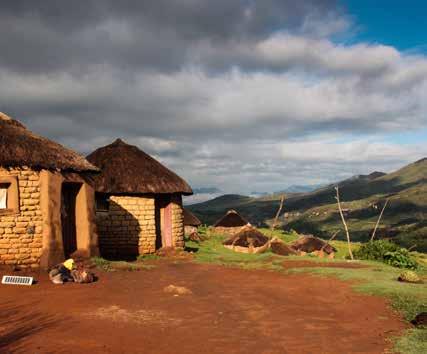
(404, 220)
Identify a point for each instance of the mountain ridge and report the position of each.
(404, 219)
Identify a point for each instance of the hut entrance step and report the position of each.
(68, 217)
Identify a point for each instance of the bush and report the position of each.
(375, 250)
(400, 259)
(387, 252)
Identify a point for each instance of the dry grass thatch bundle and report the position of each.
(281, 248)
(248, 240)
(309, 243)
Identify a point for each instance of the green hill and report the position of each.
(404, 220)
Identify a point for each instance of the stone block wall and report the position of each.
(21, 230)
(177, 222)
(128, 229)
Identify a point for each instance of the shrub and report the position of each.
(387, 252)
(375, 250)
(400, 259)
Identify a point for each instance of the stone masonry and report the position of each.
(21, 231)
(128, 229)
(177, 222)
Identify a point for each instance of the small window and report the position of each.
(102, 202)
(9, 195)
(3, 195)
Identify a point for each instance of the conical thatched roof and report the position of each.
(190, 219)
(247, 236)
(20, 147)
(127, 169)
(231, 219)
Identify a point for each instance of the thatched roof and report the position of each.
(231, 219)
(20, 147)
(127, 169)
(190, 219)
(310, 244)
(246, 237)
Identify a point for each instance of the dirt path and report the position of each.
(230, 311)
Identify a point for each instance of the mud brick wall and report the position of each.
(21, 230)
(128, 229)
(177, 222)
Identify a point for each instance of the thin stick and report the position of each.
(343, 221)
(327, 243)
(379, 219)
(412, 247)
(277, 214)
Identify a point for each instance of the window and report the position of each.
(9, 197)
(3, 195)
(102, 202)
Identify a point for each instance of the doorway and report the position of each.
(163, 215)
(68, 217)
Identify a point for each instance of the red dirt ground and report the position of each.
(311, 264)
(229, 311)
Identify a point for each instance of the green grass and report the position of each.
(413, 342)
(316, 212)
(377, 279)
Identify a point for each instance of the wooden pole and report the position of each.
(282, 200)
(327, 242)
(343, 221)
(379, 219)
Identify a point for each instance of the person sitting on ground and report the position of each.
(62, 272)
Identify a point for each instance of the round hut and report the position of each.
(46, 200)
(230, 223)
(138, 202)
(191, 222)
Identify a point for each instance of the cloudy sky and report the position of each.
(243, 95)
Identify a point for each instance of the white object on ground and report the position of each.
(17, 280)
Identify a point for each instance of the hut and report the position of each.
(230, 223)
(46, 200)
(191, 222)
(138, 202)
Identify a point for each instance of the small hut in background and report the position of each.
(191, 222)
(46, 200)
(138, 202)
(230, 223)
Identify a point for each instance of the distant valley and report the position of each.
(404, 220)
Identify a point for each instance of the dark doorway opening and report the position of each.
(163, 216)
(68, 217)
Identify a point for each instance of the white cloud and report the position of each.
(246, 111)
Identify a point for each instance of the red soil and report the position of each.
(312, 264)
(229, 311)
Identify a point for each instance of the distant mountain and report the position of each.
(300, 188)
(206, 190)
(404, 220)
(202, 194)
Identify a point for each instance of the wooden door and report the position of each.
(68, 217)
(163, 221)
